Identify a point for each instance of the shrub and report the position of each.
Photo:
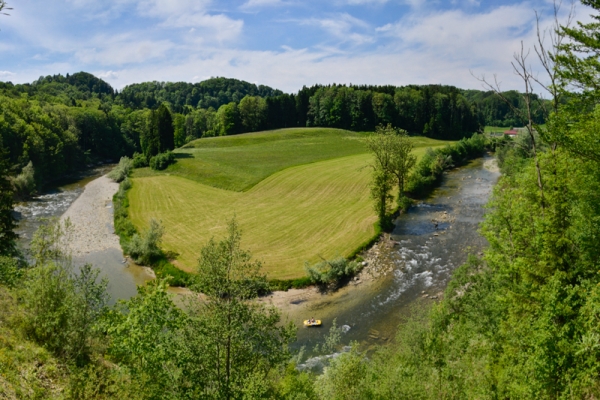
(122, 170)
(429, 170)
(404, 204)
(139, 160)
(332, 271)
(123, 226)
(286, 284)
(162, 161)
(10, 271)
(24, 183)
(144, 248)
(62, 306)
(174, 276)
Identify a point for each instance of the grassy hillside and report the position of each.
(308, 209)
(241, 161)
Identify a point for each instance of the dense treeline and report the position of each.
(63, 123)
(213, 92)
(496, 111)
(440, 112)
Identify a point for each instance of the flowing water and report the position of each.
(123, 277)
(430, 241)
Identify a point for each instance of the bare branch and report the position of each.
(4, 6)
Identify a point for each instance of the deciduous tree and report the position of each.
(234, 341)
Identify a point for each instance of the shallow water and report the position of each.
(123, 277)
(424, 260)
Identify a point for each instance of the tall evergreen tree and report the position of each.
(165, 130)
(149, 139)
(7, 219)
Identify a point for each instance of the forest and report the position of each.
(62, 124)
(518, 321)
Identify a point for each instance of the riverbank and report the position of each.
(93, 239)
(92, 218)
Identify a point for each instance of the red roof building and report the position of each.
(511, 132)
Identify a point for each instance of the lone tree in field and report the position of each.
(234, 341)
(402, 159)
(393, 159)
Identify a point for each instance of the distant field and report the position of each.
(296, 214)
(241, 161)
(489, 129)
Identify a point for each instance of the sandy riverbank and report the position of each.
(92, 218)
(298, 304)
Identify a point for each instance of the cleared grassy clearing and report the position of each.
(489, 129)
(239, 162)
(295, 215)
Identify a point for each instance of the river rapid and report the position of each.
(428, 244)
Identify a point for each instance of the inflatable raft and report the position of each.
(316, 322)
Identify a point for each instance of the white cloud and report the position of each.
(107, 75)
(262, 3)
(193, 14)
(342, 28)
(361, 2)
(123, 49)
(185, 40)
(6, 74)
(457, 35)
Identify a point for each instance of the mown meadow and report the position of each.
(299, 194)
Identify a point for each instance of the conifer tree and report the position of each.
(7, 219)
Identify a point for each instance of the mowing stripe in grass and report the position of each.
(296, 215)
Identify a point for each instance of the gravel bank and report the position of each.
(92, 218)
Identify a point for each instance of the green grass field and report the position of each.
(298, 194)
(489, 129)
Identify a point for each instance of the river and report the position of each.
(424, 257)
(123, 277)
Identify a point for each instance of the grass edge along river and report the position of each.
(310, 200)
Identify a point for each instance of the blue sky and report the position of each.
(281, 43)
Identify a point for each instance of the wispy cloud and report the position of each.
(253, 4)
(342, 27)
(360, 2)
(392, 42)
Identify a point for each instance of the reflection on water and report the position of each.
(432, 239)
(123, 277)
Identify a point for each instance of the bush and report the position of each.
(286, 284)
(144, 249)
(173, 275)
(122, 170)
(139, 160)
(333, 271)
(10, 271)
(123, 226)
(162, 161)
(429, 170)
(24, 183)
(62, 306)
(404, 204)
